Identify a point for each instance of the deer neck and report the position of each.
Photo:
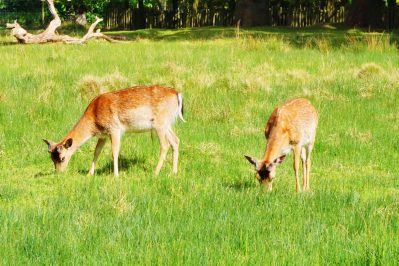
(80, 133)
(275, 147)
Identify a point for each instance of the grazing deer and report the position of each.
(136, 109)
(290, 127)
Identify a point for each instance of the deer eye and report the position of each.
(62, 159)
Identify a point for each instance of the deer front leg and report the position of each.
(97, 151)
(297, 155)
(115, 143)
(270, 186)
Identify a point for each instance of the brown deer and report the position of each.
(290, 127)
(136, 109)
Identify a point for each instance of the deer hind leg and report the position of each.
(297, 155)
(304, 167)
(308, 164)
(163, 141)
(174, 142)
(116, 143)
(100, 144)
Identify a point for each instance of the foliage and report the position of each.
(148, 3)
(94, 8)
(90, 7)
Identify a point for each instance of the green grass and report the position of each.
(213, 211)
(308, 37)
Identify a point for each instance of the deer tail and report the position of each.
(180, 106)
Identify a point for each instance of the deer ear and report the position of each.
(252, 161)
(68, 143)
(49, 144)
(279, 160)
(59, 148)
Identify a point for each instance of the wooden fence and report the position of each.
(154, 18)
(126, 18)
(305, 16)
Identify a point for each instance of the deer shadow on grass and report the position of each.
(44, 174)
(9, 43)
(240, 185)
(125, 164)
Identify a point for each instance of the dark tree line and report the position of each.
(362, 13)
(259, 12)
(373, 13)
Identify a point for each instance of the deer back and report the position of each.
(293, 123)
(134, 109)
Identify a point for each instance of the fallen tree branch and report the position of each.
(50, 35)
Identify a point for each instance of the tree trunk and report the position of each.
(140, 20)
(391, 14)
(251, 12)
(175, 8)
(50, 35)
(268, 13)
(366, 13)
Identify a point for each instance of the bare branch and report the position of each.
(55, 23)
(49, 34)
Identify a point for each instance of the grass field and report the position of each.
(213, 212)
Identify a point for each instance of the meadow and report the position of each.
(213, 212)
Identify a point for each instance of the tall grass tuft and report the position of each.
(369, 70)
(379, 42)
(376, 42)
(322, 44)
(89, 86)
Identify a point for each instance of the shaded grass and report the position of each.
(323, 37)
(213, 211)
(312, 37)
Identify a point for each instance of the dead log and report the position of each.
(50, 35)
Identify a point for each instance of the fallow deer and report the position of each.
(137, 109)
(290, 127)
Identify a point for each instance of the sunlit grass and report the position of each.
(213, 211)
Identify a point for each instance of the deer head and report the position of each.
(265, 172)
(60, 153)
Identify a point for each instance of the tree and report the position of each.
(251, 13)
(391, 13)
(91, 8)
(366, 13)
